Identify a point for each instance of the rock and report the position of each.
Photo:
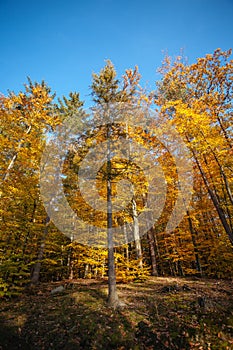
(174, 288)
(201, 301)
(121, 305)
(186, 288)
(57, 290)
(171, 288)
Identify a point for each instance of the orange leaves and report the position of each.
(197, 100)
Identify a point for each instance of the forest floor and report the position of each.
(160, 313)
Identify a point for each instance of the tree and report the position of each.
(25, 119)
(67, 107)
(106, 92)
(197, 100)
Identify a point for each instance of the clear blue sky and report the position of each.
(64, 42)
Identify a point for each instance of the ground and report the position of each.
(160, 313)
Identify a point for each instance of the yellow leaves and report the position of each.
(89, 142)
(14, 190)
(7, 102)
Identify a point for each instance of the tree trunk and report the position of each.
(103, 268)
(86, 270)
(214, 199)
(152, 253)
(13, 159)
(70, 264)
(180, 268)
(193, 236)
(218, 207)
(36, 270)
(112, 289)
(138, 245)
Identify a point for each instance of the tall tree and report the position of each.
(105, 90)
(66, 107)
(197, 100)
(25, 119)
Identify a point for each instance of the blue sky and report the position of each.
(64, 42)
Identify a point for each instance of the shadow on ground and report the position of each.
(159, 314)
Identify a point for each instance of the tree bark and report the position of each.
(36, 270)
(193, 236)
(219, 209)
(152, 253)
(138, 245)
(112, 289)
(13, 159)
(214, 199)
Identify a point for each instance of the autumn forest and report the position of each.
(196, 100)
(133, 226)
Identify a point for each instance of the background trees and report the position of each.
(24, 120)
(197, 100)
